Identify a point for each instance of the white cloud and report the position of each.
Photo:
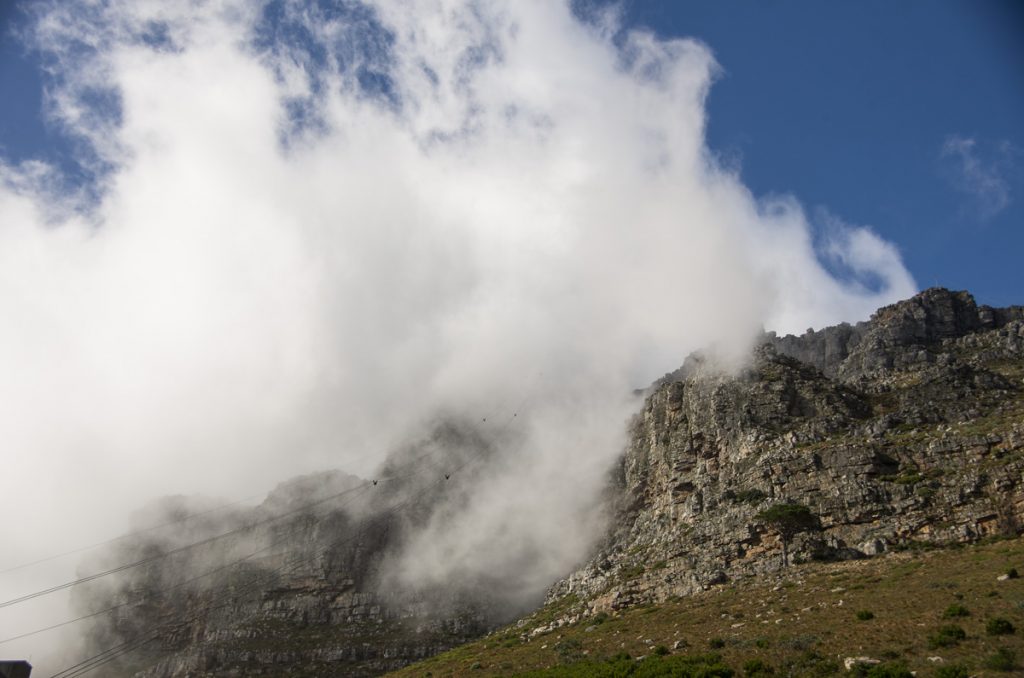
(981, 177)
(523, 212)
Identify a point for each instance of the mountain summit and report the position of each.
(906, 428)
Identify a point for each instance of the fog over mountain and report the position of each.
(311, 232)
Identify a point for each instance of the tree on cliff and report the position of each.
(788, 520)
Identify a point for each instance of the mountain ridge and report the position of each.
(905, 429)
(873, 450)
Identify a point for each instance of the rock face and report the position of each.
(306, 594)
(903, 430)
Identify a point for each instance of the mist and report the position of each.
(309, 234)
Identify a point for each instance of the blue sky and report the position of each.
(907, 117)
(850, 106)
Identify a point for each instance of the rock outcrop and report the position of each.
(300, 586)
(904, 430)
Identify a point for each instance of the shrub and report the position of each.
(952, 671)
(631, 572)
(1012, 573)
(692, 666)
(788, 520)
(886, 670)
(755, 668)
(802, 642)
(661, 650)
(569, 649)
(716, 643)
(997, 626)
(697, 666)
(752, 496)
(865, 615)
(946, 636)
(1001, 660)
(761, 643)
(955, 611)
(895, 670)
(810, 663)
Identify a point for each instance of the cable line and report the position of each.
(127, 604)
(130, 534)
(113, 653)
(127, 647)
(180, 549)
(180, 584)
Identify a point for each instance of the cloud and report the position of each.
(981, 177)
(313, 229)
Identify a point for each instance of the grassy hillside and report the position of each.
(941, 612)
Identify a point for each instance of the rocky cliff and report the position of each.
(902, 430)
(300, 586)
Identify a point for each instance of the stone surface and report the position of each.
(313, 599)
(905, 429)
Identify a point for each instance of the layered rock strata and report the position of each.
(902, 431)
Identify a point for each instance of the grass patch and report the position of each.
(1003, 659)
(752, 496)
(954, 611)
(884, 670)
(791, 622)
(654, 666)
(757, 668)
(998, 626)
(947, 636)
(952, 671)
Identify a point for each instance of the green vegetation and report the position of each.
(1002, 659)
(569, 650)
(655, 666)
(631, 572)
(952, 671)
(997, 626)
(954, 611)
(788, 520)
(751, 496)
(865, 615)
(757, 668)
(893, 670)
(790, 621)
(946, 636)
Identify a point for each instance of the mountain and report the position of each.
(849, 502)
(300, 585)
(906, 428)
(835, 447)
